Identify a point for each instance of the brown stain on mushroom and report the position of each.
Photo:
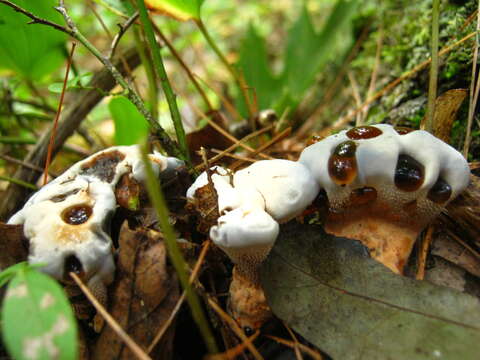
(440, 192)
(342, 165)
(62, 197)
(402, 130)
(363, 132)
(104, 165)
(409, 174)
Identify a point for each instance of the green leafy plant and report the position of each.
(37, 319)
(306, 52)
(21, 43)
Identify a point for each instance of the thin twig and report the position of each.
(234, 326)
(18, 182)
(123, 29)
(57, 115)
(132, 345)
(234, 156)
(25, 164)
(273, 141)
(376, 67)
(428, 125)
(164, 81)
(314, 354)
(234, 146)
(340, 123)
(473, 89)
(356, 95)
(170, 147)
(238, 79)
(181, 299)
(185, 67)
(422, 257)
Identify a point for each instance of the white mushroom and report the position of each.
(246, 235)
(286, 186)
(384, 185)
(67, 221)
(261, 195)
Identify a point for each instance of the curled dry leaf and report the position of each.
(143, 295)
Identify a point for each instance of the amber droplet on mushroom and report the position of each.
(363, 132)
(440, 192)
(363, 196)
(342, 165)
(402, 130)
(78, 214)
(409, 174)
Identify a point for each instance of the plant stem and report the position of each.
(149, 70)
(474, 89)
(185, 67)
(162, 74)
(19, 182)
(432, 86)
(156, 196)
(240, 82)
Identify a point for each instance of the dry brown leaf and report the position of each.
(446, 108)
(143, 295)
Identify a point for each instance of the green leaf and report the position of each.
(307, 51)
(332, 293)
(180, 9)
(253, 65)
(130, 125)
(37, 319)
(7, 274)
(31, 50)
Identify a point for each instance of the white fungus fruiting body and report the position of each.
(384, 185)
(67, 221)
(246, 235)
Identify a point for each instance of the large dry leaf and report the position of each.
(143, 296)
(331, 292)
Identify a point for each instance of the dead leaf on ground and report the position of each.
(331, 292)
(143, 296)
(446, 108)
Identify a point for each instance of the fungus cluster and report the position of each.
(383, 185)
(67, 220)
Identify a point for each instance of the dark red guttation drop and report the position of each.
(363, 196)
(409, 174)
(77, 214)
(440, 192)
(342, 165)
(363, 132)
(402, 130)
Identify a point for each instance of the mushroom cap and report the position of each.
(66, 221)
(376, 160)
(246, 235)
(73, 226)
(384, 185)
(286, 186)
